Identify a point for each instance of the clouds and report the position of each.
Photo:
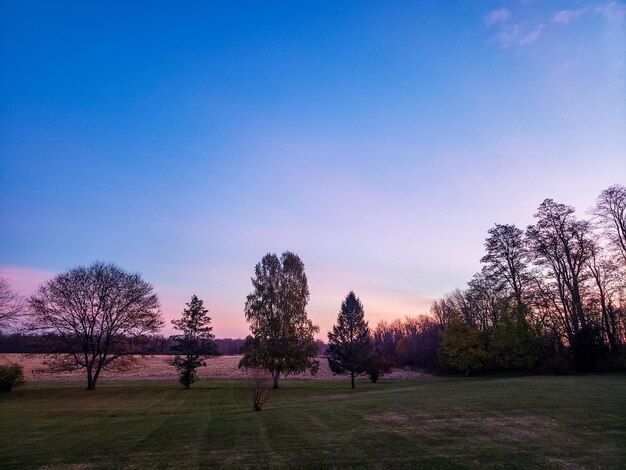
(497, 16)
(612, 11)
(510, 34)
(514, 35)
(565, 16)
(508, 31)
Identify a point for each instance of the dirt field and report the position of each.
(157, 368)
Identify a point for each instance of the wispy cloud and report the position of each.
(515, 35)
(497, 16)
(565, 16)
(613, 11)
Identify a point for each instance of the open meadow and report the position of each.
(156, 367)
(570, 421)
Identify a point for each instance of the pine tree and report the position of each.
(349, 344)
(195, 343)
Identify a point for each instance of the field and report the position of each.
(574, 421)
(157, 368)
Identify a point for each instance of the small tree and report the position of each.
(260, 386)
(98, 313)
(282, 335)
(11, 376)
(463, 348)
(194, 344)
(349, 343)
(377, 364)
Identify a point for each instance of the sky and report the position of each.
(377, 140)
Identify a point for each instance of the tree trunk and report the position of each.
(275, 379)
(91, 383)
(352, 379)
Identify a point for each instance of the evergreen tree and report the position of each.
(195, 343)
(282, 335)
(349, 344)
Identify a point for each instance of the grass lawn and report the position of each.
(577, 421)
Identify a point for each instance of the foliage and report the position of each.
(98, 312)
(195, 343)
(11, 376)
(514, 345)
(349, 342)
(463, 347)
(282, 334)
(413, 342)
(588, 348)
(377, 364)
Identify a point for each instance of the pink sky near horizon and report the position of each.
(227, 311)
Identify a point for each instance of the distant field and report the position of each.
(574, 422)
(157, 368)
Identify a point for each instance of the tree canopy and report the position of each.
(282, 334)
(97, 312)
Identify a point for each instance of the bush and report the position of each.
(556, 365)
(10, 377)
(588, 348)
(261, 386)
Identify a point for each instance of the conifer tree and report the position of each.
(349, 344)
(195, 343)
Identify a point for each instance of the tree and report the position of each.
(505, 260)
(282, 335)
(195, 343)
(98, 313)
(463, 347)
(610, 212)
(561, 245)
(349, 343)
(11, 305)
(514, 345)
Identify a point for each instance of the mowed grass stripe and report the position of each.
(484, 421)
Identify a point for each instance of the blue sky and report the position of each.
(378, 140)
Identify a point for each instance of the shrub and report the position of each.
(261, 386)
(556, 365)
(10, 377)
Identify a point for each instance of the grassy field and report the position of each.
(577, 421)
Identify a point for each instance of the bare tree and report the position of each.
(610, 212)
(608, 279)
(506, 260)
(561, 246)
(11, 305)
(97, 312)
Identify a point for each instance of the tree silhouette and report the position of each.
(11, 305)
(98, 313)
(349, 343)
(195, 343)
(282, 334)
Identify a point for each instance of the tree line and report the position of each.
(548, 298)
